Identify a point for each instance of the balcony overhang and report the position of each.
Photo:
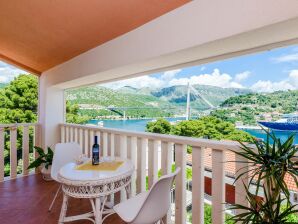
(196, 33)
(38, 35)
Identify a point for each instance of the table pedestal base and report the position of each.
(96, 215)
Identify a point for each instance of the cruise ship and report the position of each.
(288, 122)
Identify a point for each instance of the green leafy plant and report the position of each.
(43, 158)
(268, 164)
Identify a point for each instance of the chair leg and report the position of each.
(54, 199)
(63, 209)
(159, 222)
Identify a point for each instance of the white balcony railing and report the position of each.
(18, 162)
(143, 149)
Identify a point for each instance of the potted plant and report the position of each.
(268, 165)
(45, 161)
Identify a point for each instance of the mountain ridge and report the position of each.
(166, 101)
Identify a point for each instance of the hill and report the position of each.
(258, 106)
(146, 102)
(101, 98)
(215, 95)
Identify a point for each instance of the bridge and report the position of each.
(196, 94)
(190, 90)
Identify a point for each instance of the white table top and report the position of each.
(69, 172)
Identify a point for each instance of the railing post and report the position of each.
(123, 155)
(123, 146)
(37, 142)
(117, 153)
(81, 139)
(180, 190)
(133, 157)
(91, 142)
(112, 145)
(105, 144)
(76, 139)
(142, 159)
(86, 141)
(13, 152)
(198, 185)
(166, 168)
(1, 154)
(62, 133)
(240, 192)
(218, 186)
(152, 162)
(25, 151)
(67, 134)
(71, 134)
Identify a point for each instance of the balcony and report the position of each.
(145, 150)
(101, 42)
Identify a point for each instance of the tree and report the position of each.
(206, 127)
(18, 104)
(19, 100)
(160, 126)
(211, 128)
(73, 116)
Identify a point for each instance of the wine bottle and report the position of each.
(95, 152)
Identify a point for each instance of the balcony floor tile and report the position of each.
(27, 199)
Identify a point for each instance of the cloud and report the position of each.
(9, 72)
(268, 86)
(139, 82)
(167, 76)
(242, 76)
(214, 79)
(145, 81)
(289, 83)
(287, 58)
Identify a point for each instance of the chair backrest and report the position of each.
(64, 153)
(158, 200)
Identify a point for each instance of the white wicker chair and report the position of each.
(148, 207)
(64, 153)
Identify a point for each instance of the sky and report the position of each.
(8, 72)
(261, 72)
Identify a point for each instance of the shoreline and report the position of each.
(250, 127)
(239, 127)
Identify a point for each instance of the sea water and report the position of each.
(140, 125)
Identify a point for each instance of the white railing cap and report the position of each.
(196, 142)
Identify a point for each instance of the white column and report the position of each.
(51, 110)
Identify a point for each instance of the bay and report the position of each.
(140, 125)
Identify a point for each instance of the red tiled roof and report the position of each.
(230, 167)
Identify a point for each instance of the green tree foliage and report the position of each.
(206, 127)
(249, 108)
(160, 126)
(212, 128)
(18, 102)
(73, 115)
(208, 216)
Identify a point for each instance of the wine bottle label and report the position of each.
(95, 155)
(95, 152)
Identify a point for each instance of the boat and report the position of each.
(288, 122)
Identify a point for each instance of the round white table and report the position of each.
(93, 185)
